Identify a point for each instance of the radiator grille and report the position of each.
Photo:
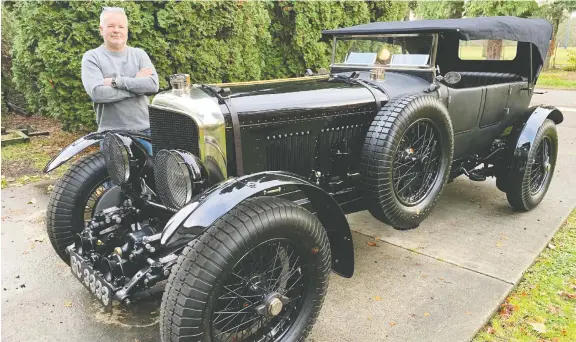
(173, 131)
(290, 152)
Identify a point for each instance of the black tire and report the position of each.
(519, 190)
(502, 183)
(382, 149)
(69, 199)
(204, 267)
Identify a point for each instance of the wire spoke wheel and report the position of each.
(530, 176)
(417, 162)
(262, 296)
(540, 169)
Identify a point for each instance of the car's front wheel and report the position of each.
(73, 200)
(528, 187)
(259, 273)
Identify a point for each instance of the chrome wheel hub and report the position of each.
(272, 305)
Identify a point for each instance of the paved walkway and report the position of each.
(439, 282)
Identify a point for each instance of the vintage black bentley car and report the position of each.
(241, 205)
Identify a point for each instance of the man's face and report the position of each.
(114, 29)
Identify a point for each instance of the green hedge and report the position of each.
(212, 41)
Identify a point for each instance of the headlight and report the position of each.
(178, 175)
(117, 156)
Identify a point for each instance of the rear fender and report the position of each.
(523, 134)
(203, 210)
(84, 142)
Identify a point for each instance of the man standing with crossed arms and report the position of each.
(118, 77)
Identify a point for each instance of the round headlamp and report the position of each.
(177, 175)
(117, 155)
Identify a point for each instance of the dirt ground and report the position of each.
(28, 159)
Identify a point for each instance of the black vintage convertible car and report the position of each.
(241, 205)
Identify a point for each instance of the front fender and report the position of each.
(81, 144)
(203, 210)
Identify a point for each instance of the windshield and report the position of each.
(398, 50)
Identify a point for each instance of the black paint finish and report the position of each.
(526, 131)
(203, 210)
(313, 127)
(84, 142)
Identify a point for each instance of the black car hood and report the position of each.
(315, 94)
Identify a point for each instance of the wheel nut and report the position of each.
(275, 307)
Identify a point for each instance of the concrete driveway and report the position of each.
(439, 282)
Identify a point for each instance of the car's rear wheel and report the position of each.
(259, 273)
(527, 188)
(73, 201)
(406, 160)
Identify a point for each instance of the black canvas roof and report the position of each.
(535, 31)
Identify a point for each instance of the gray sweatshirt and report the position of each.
(126, 106)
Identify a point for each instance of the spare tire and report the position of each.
(406, 160)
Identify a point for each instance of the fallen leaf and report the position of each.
(369, 318)
(372, 244)
(426, 314)
(50, 188)
(392, 324)
(68, 304)
(468, 312)
(32, 201)
(551, 246)
(553, 309)
(506, 309)
(498, 244)
(490, 330)
(424, 276)
(377, 298)
(567, 294)
(539, 327)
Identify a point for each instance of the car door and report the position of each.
(495, 104)
(464, 106)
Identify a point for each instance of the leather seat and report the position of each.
(478, 79)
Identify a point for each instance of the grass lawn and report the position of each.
(543, 306)
(23, 163)
(557, 79)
